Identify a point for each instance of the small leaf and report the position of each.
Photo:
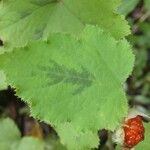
(9, 134)
(29, 143)
(127, 6)
(26, 20)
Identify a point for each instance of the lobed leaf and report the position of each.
(22, 21)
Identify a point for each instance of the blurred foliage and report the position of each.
(139, 83)
(147, 4)
(146, 143)
(2, 81)
(42, 137)
(10, 139)
(127, 6)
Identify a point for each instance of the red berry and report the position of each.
(133, 132)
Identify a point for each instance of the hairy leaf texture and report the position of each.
(22, 21)
(75, 84)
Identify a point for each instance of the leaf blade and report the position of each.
(73, 82)
(35, 20)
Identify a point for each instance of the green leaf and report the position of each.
(140, 63)
(10, 138)
(29, 143)
(9, 134)
(145, 38)
(127, 6)
(26, 20)
(145, 144)
(70, 83)
(147, 5)
(3, 83)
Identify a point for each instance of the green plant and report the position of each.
(68, 60)
(10, 138)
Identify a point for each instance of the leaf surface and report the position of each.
(29, 143)
(22, 21)
(147, 5)
(3, 83)
(7, 139)
(73, 84)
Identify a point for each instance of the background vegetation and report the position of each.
(30, 134)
